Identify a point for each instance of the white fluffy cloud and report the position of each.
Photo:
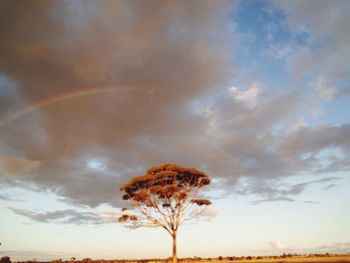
(248, 97)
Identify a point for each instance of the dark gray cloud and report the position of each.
(174, 56)
(54, 48)
(67, 216)
(313, 140)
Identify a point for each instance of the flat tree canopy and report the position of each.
(166, 196)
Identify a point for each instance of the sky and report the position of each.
(253, 93)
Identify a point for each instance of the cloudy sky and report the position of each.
(254, 93)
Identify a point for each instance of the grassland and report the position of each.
(335, 259)
(294, 259)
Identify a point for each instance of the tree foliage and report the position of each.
(166, 196)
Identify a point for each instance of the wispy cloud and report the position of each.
(325, 51)
(311, 202)
(276, 244)
(273, 199)
(330, 186)
(272, 191)
(9, 198)
(67, 216)
(343, 92)
(323, 87)
(278, 247)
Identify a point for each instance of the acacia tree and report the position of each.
(166, 196)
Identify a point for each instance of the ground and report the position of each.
(292, 260)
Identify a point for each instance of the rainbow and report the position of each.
(66, 96)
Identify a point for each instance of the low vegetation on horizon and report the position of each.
(284, 258)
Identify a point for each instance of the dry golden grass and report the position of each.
(335, 259)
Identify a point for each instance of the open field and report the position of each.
(291, 260)
(294, 259)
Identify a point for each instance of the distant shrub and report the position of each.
(5, 260)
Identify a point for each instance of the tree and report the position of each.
(166, 196)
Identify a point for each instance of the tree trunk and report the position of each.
(174, 248)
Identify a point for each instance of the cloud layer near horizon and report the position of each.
(183, 109)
